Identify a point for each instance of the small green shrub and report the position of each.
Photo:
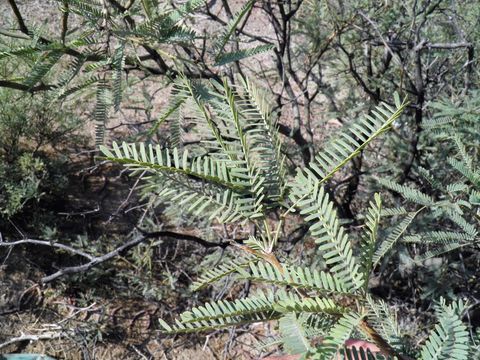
(33, 133)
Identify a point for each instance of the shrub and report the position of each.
(33, 132)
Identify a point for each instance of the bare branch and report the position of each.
(18, 15)
(47, 243)
(22, 87)
(27, 337)
(64, 21)
(96, 260)
(447, 46)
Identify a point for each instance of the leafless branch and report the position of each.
(64, 21)
(22, 87)
(48, 243)
(29, 337)
(447, 46)
(18, 15)
(96, 260)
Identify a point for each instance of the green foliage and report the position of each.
(297, 277)
(223, 57)
(451, 215)
(222, 270)
(29, 127)
(20, 183)
(339, 333)
(219, 157)
(369, 237)
(232, 25)
(238, 158)
(396, 233)
(262, 305)
(351, 142)
(408, 193)
(239, 176)
(332, 238)
(241, 170)
(450, 338)
(41, 67)
(294, 336)
(97, 56)
(101, 110)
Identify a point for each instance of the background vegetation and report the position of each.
(253, 102)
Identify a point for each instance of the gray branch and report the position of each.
(96, 260)
(47, 243)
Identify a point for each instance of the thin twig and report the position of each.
(47, 243)
(27, 337)
(96, 260)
